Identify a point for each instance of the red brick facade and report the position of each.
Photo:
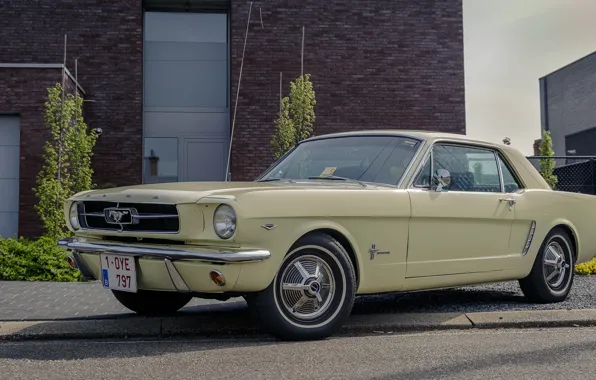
(106, 38)
(374, 64)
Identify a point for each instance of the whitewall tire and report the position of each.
(312, 294)
(552, 274)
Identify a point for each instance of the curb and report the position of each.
(239, 323)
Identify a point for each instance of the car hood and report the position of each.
(191, 192)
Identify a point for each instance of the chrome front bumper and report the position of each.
(81, 245)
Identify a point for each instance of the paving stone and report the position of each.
(30, 301)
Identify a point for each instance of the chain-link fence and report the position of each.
(574, 173)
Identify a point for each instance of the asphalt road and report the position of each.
(487, 354)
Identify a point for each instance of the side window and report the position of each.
(471, 169)
(509, 180)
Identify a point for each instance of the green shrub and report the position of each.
(589, 267)
(35, 260)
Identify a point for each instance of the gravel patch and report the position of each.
(495, 297)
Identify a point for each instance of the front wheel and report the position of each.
(152, 302)
(312, 294)
(552, 274)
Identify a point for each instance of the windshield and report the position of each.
(376, 159)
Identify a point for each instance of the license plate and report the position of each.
(119, 272)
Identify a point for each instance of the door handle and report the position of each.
(511, 201)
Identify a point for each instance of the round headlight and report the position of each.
(224, 221)
(74, 216)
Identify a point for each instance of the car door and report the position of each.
(464, 227)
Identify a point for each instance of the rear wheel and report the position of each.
(152, 302)
(552, 275)
(312, 294)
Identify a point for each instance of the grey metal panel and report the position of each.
(188, 27)
(9, 131)
(9, 162)
(9, 222)
(205, 159)
(185, 51)
(569, 97)
(185, 84)
(9, 193)
(161, 124)
(187, 109)
(186, 90)
(9, 174)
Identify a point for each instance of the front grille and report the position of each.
(147, 217)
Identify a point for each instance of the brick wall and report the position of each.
(106, 37)
(24, 91)
(374, 64)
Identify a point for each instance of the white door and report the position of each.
(465, 229)
(9, 175)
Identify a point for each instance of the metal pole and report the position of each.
(237, 94)
(302, 55)
(280, 89)
(61, 126)
(593, 175)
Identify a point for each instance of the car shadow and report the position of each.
(458, 300)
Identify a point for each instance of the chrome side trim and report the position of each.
(176, 278)
(145, 216)
(500, 172)
(411, 164)
(81, 245)
(529, 239)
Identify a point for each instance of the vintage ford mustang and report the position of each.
(338, 216)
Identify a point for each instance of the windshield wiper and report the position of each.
(337, 178)
(269, 180)
(275, 179)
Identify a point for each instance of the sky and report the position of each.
(508, 46)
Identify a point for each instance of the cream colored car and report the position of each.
(338, 216)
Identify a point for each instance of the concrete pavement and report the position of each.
(237, 322)
(483, 354)
(86, 310)
(21, 301)
(30, 301)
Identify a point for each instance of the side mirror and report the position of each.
(441, 179)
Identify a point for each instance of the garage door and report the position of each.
(9, 175)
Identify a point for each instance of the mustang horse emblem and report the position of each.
(116, 216)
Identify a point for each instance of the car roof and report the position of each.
(416, 134)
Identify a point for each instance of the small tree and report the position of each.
(296, 119)
(67, 159)
(302, 107)
(547, 165)
(285, 133)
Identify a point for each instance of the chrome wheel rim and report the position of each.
(307, 287)
(556, 265)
